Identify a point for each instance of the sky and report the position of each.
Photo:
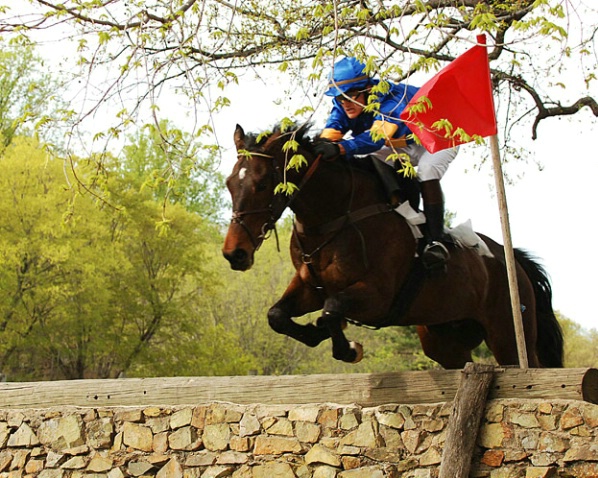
(550, 198)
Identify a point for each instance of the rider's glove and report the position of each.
(327, 149)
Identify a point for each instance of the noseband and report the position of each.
(269, 225)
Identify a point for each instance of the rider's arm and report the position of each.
(361, 144)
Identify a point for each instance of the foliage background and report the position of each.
(112, 193)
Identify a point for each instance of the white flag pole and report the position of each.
(508, 245)
(509, 254)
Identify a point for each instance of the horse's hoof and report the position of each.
(358, 351)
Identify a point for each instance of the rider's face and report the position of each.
(353, 102)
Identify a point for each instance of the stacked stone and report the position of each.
(529, 439)
(538, 439)
(221, 440)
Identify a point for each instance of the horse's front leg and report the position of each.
(333, 320)
(298, 299)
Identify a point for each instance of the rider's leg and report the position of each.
(431, 168)
(435, 253)
(433, 208)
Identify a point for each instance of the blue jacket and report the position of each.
(391, 106)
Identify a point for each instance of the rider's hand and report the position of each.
(327, 149)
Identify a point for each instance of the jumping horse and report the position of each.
(356, 260)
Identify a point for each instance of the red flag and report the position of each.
(460, 93)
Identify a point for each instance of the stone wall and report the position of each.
(518, 439)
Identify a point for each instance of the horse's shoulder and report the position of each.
(362, 164)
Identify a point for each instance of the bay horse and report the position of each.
(356, 260)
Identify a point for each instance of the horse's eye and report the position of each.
(261, 186)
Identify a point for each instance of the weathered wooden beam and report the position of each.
(464, 422)
(364, 389)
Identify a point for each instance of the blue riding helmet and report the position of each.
(347, 74)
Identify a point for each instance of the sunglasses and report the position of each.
(350, 95)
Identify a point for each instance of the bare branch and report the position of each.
(544, 111)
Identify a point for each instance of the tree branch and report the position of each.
(545, 111)
(560, 110)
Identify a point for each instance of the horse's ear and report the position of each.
(239, 138)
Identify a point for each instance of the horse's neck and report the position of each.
(333, 191)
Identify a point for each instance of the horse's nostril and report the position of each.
(239, 255)
(238, 259)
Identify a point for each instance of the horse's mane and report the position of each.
(298, 131)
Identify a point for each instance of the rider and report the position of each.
(350, 86)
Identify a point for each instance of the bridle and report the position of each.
(277, 205)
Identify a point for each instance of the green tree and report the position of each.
(581, 346)
(176, 169)
(89, 289)
(29, 97)
(50, 271)
(153, 289)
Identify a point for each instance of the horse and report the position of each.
(356, 260)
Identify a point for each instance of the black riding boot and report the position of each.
(435, 253)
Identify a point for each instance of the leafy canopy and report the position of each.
(144, 61)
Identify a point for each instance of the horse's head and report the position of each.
(256, 207)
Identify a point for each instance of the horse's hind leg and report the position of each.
(502, 340)
(443, 345)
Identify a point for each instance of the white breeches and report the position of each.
(429, 165)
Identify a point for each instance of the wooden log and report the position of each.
(429, 386)
(464, 422)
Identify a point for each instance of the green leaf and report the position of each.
(290, 145)
(286, 188)
(296, 162)
(104, 37)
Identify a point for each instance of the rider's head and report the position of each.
(348, 83)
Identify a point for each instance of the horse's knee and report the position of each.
(333, 315)
(277, 320)
(281, 322)
(334, 307)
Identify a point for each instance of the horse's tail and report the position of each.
(550, 335)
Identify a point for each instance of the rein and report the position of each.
(338, 223)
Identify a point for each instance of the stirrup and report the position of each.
(435, 255)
